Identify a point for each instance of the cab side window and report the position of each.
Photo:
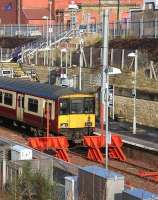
(64, 106)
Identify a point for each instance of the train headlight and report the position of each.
(64, 125)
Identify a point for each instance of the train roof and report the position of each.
(35, 88)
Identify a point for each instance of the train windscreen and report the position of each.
(77, 106)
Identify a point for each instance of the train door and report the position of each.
(20, 107)
(47, 116)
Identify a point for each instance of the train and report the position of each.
(32, 104)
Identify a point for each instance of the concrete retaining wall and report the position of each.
(146, 111)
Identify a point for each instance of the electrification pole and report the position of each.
(105, 85)
(134, 92)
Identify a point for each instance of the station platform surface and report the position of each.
(145, 137)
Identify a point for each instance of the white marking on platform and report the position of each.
(140, 145)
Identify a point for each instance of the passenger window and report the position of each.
(0, 97)
(33, 105)
(64, 106)
(8, 99)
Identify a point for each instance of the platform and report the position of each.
(145, 137)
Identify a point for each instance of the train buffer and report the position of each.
(57, 143)
(95, 143)
(151, 174)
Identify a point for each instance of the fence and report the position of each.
(55, 170)
(24, 30)
(127, 28)
(135, 29)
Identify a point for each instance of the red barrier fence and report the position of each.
(95, 143)
(154, 175)
(59, 144)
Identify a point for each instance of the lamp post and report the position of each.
(50, 21)
(46, 18)
(135, 56)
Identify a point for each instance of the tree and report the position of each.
(31, 185)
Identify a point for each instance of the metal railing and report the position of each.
(135, 29)
(26, 30)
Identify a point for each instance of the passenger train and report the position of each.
(70, 112)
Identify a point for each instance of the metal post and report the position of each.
(105, 84)
(66, 61)
(19, 19)
(113, 103)
(50, 21)
(47, 32)
(134, 92)
(48, 117)
(81, 65)
(61, 59)
(52, 57)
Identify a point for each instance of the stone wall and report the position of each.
(146, 111)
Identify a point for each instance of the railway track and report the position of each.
(130, 169)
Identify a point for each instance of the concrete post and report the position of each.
(11, 30)
(71, 189)
(44, 58)
(4, 171)
(70, 58)
(141, 27)
(91, 56)
(22, 55)
(123, 59)
(36, 57)
(29, 59)
(1, 54)
(112, 57)
(156, 28)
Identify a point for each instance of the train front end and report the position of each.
(76, 116)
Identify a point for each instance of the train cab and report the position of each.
(77, 113)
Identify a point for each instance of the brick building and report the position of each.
(32, 11)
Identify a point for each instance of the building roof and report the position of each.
(36, 13)
(34, 88)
